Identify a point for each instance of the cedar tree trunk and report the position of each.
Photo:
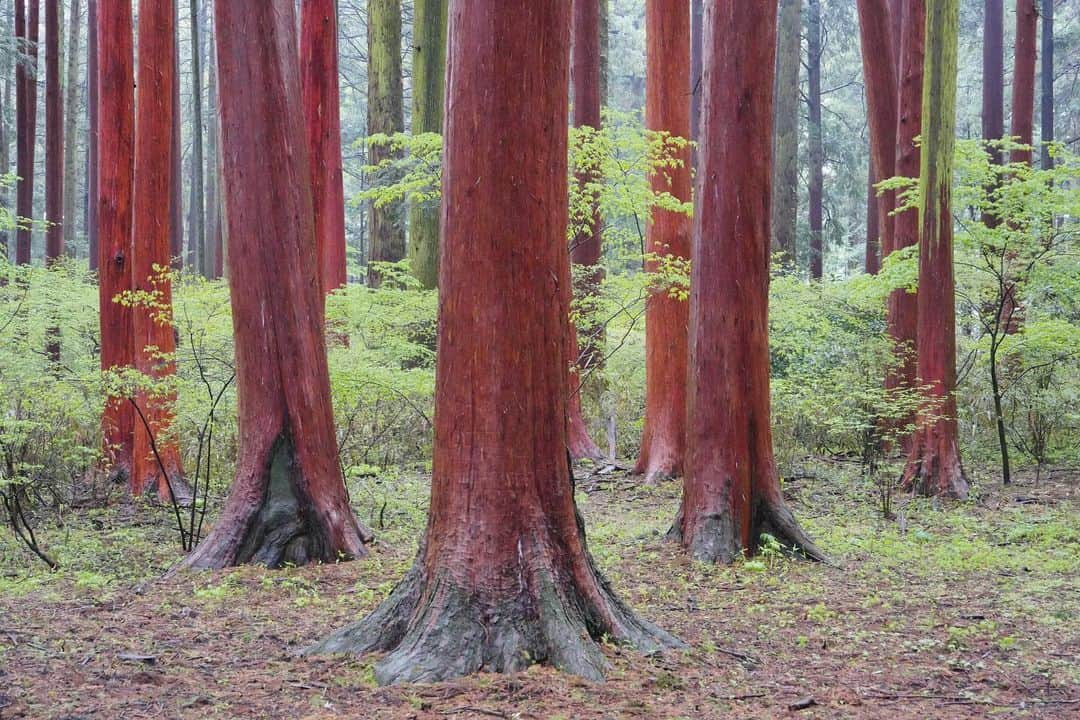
(663, 442)
(697, 87)
(993, 90)
(116, 162)
(934, 462)
(92, 133)
(71, 116)
(903, 308)
(26, 31)
(786, 144)
(54, 137)
(322, 121)
(1047, 82)
(879, 72)
(386, 233)
(153, 343)
(288, 502)
(817, 147)
(1023, 90)
(428, 83)
(731, 490)
(196, 227)
(528, 592)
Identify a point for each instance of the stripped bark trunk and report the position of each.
(663, 441)
(533, 595)
(288, 502)
(731, 491)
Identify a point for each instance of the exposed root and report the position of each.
(717, 539)
(438, 631)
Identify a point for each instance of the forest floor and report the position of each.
(954, 611)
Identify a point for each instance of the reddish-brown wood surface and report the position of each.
(731, 490)
(54, 136)
(879, 72)
(92, 132)
(322, 122)
(1023, 86)
(153, 343)
(288, 501)
(116, 161)
(667, 109)
(26, 30)
(503, 579)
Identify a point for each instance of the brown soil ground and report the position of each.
(965, 611)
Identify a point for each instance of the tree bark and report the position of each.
(26, 29)
(903, 306)
(152, 330)
(532, 594)
(322, 120)
(71, 141)
(428, 73)
(993, 91)
(697, 87)
(871, 263)
(116, 114)
(288, 502)
(587, 244)
(879, 71)
(786, 145)
(817, 147)
(1023, 94)
(1047, 81)
(92, 133)
(385, 115)
(731, 491)
(667, 85)
(933, 466)
(215, 225)
(176, 200)
(54, 138)
(196, 229)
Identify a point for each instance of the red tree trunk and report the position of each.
(26, 27)
(1023, 95)
(879, 71)
(663, 442)
(817, 148)
(731, 492)
(322, 120)
(587, 244)
(288, 502)
(504, 578)
(697, 87)
(993, 90)
(116, 161)
(176, 183)
(903, 307)
(933, 466)
(872, 260)
(92, 132)
(153, 342)
(54, 136)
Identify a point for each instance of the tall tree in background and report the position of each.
(428, 73)
(879, 72)
(667, 109)
(532, 595)
(71, 140)
(92, 132)
(54, 137)
(215, 221)
(1047, 82)
(26, 31)
(786, 145)
(322, 120)
(933, 466)
(993, 89)
(903, 306)
(697, 86)
(288, 502)
(153, 343)
(817, 145)
(386, 235)
(116, 162)
(1023, 90)
(587, 244)
(197, 211)
(731, 490)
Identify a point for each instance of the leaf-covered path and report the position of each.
(964, 612)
